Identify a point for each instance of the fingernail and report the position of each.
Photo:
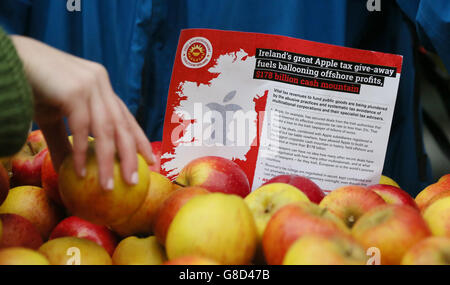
(83, 172)
(134, 178)
(110, 184)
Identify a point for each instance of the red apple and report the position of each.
(350, 202)
(393, 229)
(156, 149)
(76, 227)
(216, 174)
(4, 183)
(291, 222)
(32, 203)
(169, 208)
(306, 185)
(393, 195)
(26, 165)
(429, 251)
(19, 232)
(50, 179)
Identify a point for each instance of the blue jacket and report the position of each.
(136, 41)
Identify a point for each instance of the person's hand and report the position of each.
(80, 90)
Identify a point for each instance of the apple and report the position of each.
(388, 181)
(217, 226)
(85, 197)
(19, 232)
(424, 197)
(393, 229)
(4, 183)
(265, 201)
(320, 250)
(21, 256)
(74, 251)
(429, 251)
(6, 162)
(291, 222)
(49, 176)
(49, 179)
(191, 260)
(141, 222)
(437, 216)
(27, 163)
(157, 152)
(306, 185)
(139, 251)
(216, 174)
(76, 227)
(169, 209)
(350, 202)
(393, 195)
(434, 199)
(32, 203)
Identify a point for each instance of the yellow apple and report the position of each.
(265, 201)
(388, 181)
(191, 260)
(437, 216)
(85, 197)
(139, 251)
(75, 251)
(217, 226)
(321, 250)
(169, 208)
(142, 221)
(21, 256)
(424, 198)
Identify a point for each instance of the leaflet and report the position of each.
(279, 105)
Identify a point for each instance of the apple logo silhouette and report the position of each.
(223, 110)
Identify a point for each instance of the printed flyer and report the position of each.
(279, 105)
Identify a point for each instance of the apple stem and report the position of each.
(178, 183)
(31, 148)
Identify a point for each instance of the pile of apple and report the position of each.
(208, 215)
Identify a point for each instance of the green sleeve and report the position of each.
(16, 101)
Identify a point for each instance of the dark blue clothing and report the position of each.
(136, 41)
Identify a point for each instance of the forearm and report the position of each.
(16, 101)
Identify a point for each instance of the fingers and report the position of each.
(103, 129)
(124, 139)
(142, 143)
(81, 91)
(78, 121)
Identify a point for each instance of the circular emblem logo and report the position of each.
(196, 52)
